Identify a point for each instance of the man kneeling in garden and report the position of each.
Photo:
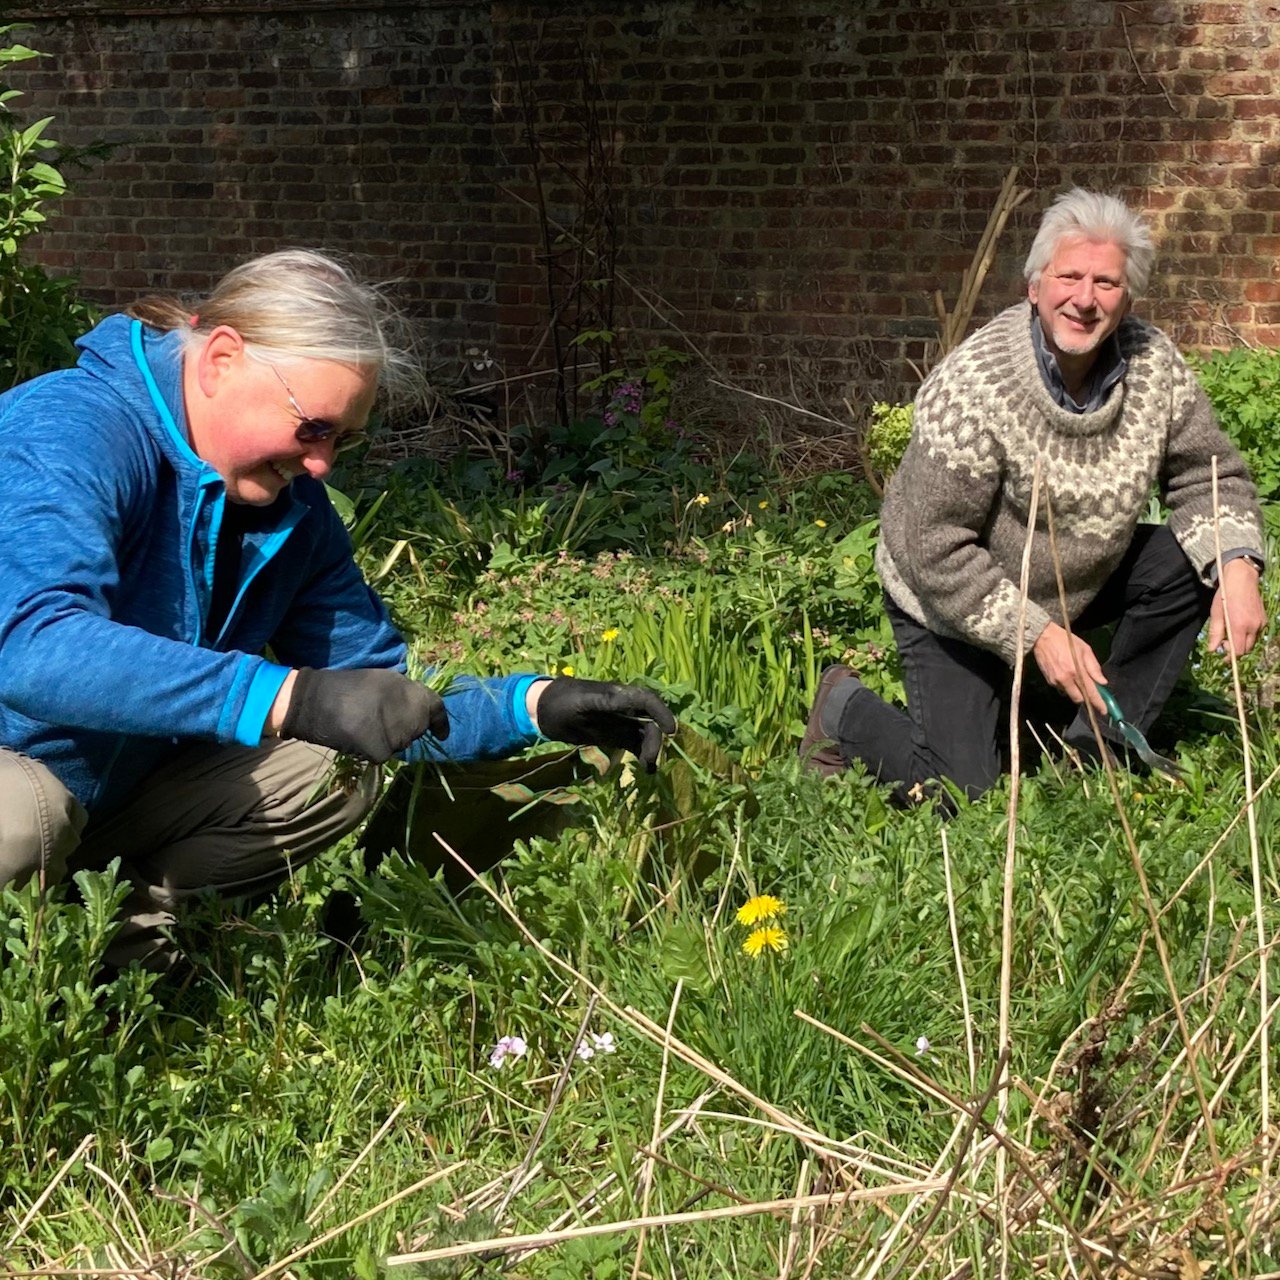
(1106, 406)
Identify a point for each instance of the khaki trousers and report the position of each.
(227, 820)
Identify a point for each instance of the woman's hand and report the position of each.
(370, 713)
(596, 713)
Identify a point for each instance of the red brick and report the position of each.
(1237, 85)
(1250, 108)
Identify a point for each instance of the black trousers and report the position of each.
(958, 694)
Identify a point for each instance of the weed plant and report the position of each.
(299, 1103)
(40, 315)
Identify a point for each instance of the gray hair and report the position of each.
(298, 304)
(1090, 215)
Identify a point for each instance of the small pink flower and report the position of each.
(507, 1047)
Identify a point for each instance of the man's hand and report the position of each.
(367, 713)
(1239, 599)
(1056, 652)
(595, 713)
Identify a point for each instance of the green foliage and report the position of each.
(254, 1088)
(632, 436)
(735, 619)
(640, 397)
(40, 315)
(286, 1060)
(888, 434)
(69, 1051)
(1244, 387)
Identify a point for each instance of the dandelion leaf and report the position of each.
(694, 760)
(877, 815)
(596, 759)
(516, 792)
(684, 955)
(853, 931)
(559, 796)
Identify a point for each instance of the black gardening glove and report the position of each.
(594, 713)
(369, 713)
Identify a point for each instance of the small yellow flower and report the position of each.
(610, 636)
(763, 906)
(702, 499)
(767, 938)
(763, 505)
(566, 671)
(822, 524)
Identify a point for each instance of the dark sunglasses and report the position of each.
(317, 430)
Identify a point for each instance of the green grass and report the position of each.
(212, 1118)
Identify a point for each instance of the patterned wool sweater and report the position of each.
(954, 522)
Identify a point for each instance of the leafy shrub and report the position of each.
(69, 1032)
(633, 432)
(1244, 388)
(40, 318)
(645, 394)
(40, 315)
(888, 434)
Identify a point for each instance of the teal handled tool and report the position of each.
(1134, 737)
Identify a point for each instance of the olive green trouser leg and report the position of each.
(226, 820)
(40, 821)
(234, 821)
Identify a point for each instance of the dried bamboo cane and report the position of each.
(1010, 858)
(952, 325)
(1264, 1050)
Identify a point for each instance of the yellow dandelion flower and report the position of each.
(763, 505)
(610, 636)
(702, 499)
(767, 938)
(822, 524)
(566, 671)
(763, 906)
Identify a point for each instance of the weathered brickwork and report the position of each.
(785, 183)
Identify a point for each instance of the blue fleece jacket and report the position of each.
(108, 529)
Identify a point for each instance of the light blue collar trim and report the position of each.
(157, 399)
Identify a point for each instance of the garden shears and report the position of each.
(1135, 738)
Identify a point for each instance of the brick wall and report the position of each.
(782, 183)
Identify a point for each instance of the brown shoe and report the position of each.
(818, 750)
